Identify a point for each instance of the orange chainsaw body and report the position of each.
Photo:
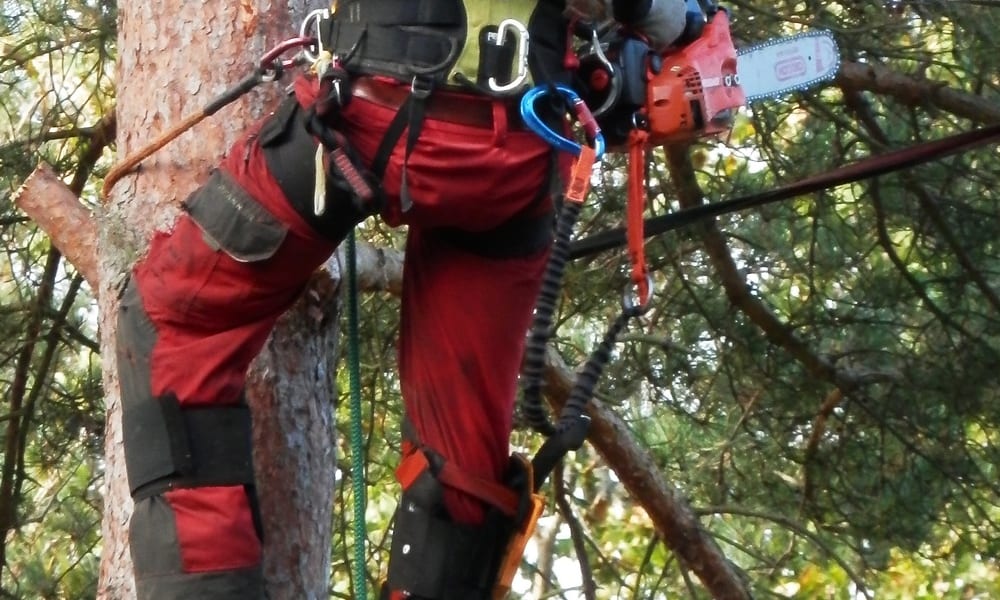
(697, 90)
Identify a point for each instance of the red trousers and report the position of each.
(205, 311)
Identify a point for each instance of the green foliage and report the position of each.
(891, 282)
(55, 59)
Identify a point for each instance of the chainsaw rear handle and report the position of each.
(557, 140)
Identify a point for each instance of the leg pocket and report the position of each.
(219, 266)
(232, 221)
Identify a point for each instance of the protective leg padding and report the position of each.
(435, 558)
(167, 445)
(432, 557)
(191, 474)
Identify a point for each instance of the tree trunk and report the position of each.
(174, 58)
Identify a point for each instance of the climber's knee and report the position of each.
(169, 445)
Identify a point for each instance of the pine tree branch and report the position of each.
(780, 334)
(917, 92)
(671, 513)
(57, 210)
(931, 207)
(56, 207)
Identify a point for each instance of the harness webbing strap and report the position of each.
(415, 462)
(522, 236)
(401, 38)
(636, 205)
(404, 12)
(288, 140)
(409, 118)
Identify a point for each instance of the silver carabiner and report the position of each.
(317, 15)
(522, 56)
(616, 78)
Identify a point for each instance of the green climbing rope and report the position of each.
(357, 438)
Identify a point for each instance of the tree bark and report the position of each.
(174, 58)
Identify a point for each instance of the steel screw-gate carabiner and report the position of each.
(522, 56)
(313, 20)
(633, 303)
(583, 115)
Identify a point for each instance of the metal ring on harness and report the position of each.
(631, 303)
(271, 65)
(616, 80)
(532, 120)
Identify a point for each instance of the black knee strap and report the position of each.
(175, 447)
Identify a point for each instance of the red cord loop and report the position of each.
(634, 222)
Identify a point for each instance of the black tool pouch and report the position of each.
(435, 558)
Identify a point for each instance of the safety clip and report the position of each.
(312, 21)
(616, 77)
(583, 115)
(522, 56)
(272, 66)
(635, 298)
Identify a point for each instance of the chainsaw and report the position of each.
(695, 90)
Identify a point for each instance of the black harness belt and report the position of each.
(401, 38)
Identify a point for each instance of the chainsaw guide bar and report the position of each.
(776, 67)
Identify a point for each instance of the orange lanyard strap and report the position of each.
(636, 205)
(579, 180)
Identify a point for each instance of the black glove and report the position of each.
(662, 22)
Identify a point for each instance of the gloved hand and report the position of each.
(662, 22)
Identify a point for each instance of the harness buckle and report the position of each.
(421, 87)
(522, 56)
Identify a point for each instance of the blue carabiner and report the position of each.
(583, 115)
